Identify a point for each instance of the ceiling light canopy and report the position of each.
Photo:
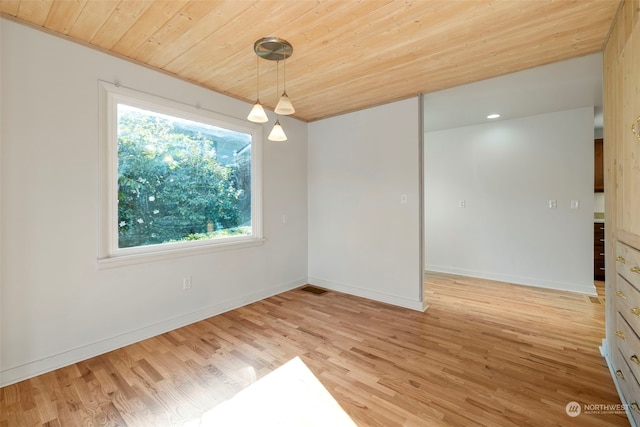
(493, 116)
(272, 49)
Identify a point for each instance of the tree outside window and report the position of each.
(180, 180)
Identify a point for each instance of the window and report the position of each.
(176, 177)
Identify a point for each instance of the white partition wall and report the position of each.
(364, 203)
(487, 193)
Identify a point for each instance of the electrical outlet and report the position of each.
(553, 204)
(186, 283)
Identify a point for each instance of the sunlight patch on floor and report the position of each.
(290, 396)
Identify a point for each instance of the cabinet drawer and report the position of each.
(629, 345)
(628, 263)
(628, 303)
(628, 385)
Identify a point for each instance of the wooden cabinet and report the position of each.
(598, 185)
(626, 351)
(598, 251)
(622, 204)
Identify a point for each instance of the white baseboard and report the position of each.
(604, 349)
(369, 294)
(56, 361)
(586, 288)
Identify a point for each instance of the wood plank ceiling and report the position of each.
(348, 54)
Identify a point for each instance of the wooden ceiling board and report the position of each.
(153, 19)
(63, 15)
(227, 42)
(480, 59)
(10, 7)
(288, 30)
(34, 12)
(121, 20)
(366, 55)
(348, 54)
(161, 48)
(93, 16)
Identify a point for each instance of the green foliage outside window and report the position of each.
(172, 186)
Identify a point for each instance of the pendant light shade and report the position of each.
(277, 133)
(284, 106)
(273, 49)
(257, 114)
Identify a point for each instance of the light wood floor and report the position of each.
(485, 353)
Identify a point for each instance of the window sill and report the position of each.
(132, 259)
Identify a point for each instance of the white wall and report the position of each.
(57, 306)
(598, 202)
(362, 239)
(506, 172)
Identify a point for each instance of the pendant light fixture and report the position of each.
(284, 107)
(277, 133)
(274, 49)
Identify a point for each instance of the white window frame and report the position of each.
(109, 254)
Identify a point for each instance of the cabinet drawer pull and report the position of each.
(635, 407)
(619, 374)
(620, 334)
(636, 311)
(602, 240)
(635, 128)
(601, 254)
(621, 294)
(635, 270)
(621, 259)
(635, 359)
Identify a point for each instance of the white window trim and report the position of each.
(109, 255)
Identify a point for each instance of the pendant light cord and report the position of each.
(258, 78)
(284, 75)
(277, 80)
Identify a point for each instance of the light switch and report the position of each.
(575, 204)
(462, 204)
(403, 199)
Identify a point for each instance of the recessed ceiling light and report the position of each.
(493, 116)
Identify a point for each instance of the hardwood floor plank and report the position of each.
(43, 401)
(485, 353)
